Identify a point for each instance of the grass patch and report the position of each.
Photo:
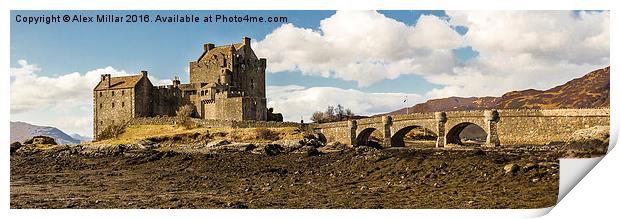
(137, 133)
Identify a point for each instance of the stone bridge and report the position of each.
(503, 127)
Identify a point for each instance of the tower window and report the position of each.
(122, 104)
(100, 106)
(112, 93)
(252, 83)
(100, 94)
(112, 104)
(122, 92)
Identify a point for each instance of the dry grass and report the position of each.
(136, 133)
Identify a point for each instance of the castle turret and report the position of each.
(176, 81)
(225, 77)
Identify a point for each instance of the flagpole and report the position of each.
(406, 104)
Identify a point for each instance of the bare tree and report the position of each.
(332, 114)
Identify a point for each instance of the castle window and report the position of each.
(101, 122)
(101, 106)
(112, 93)
(252, 83)
(100, 94)
(122, 104)
(112, 104)
(122, 92)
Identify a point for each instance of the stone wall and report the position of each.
(506, 127)
(112, 106)
(541, 127)
(209, 123)
(142, 97)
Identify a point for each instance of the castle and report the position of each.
(226, 83)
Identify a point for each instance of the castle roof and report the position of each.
(120, 82)
(221, 50)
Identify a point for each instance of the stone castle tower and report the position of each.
(226, 83)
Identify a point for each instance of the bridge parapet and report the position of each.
(511, 126)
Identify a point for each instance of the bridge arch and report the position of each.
(453, 136)
(398, 138)
(364, 135)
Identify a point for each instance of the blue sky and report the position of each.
(166, 49)
(369, 61)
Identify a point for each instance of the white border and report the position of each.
(603, 175)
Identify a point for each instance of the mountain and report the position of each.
(21, 131)
(80, 137)
(589, 91)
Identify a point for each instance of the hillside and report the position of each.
(21, 131)
(589, 91)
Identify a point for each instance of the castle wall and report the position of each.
(254, 109)
(112, 106)
(142, 100)
(230, 108)
(166, 100)
(210, 123)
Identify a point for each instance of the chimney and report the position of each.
(144, 73)
(208, 46)
(105, 78)
(246, 41)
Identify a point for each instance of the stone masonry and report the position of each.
(226, 83)
(503, 127)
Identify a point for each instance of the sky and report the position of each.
(369, 61)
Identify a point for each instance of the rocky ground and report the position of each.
(157, 173)
(352, 178)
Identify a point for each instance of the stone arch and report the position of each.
(362, 137)
(453, 135)
(397, 139)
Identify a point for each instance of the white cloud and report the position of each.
(517, 49)
(295, 101)
(525, 49)
(362, 46)
(64, 101)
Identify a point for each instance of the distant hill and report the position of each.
(80, 137)
(589, 91)
(21, 131)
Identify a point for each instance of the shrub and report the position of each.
(112, 131)
(266, 134)
(184, 115)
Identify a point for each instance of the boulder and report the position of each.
(308, 151)
(40, 139)
(218, 143)
(15, 146)
(289, 145)
(511, 168)
(273, 149)
(237, 147)
(311, 142)
(365, 149)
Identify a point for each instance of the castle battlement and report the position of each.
(226, 83)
